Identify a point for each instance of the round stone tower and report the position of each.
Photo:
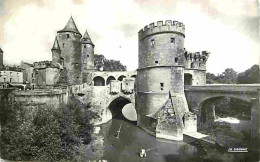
(87, 58)
(161, 67)
(70, 45)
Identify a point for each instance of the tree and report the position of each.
(103, 64)
(210, 78)
(44, 132)
(249, 76)
(229, 76)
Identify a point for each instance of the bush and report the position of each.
(44, 132)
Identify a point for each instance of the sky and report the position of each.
(228, 29)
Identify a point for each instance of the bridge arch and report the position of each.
(99, 81)
(109, 79)
(121, 77)
(117, 104)
(133, 76)
(207, 108)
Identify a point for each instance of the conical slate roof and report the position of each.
(86, 39)
(70, 27)
(56, 45)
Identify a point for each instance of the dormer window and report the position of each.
(68, 36)
(172, 40)
(152, 42)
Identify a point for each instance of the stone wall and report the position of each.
(53, 97)
(198, 76)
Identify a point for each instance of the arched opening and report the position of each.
(187, 79)
(99, 81)
(121, 77)
(109, 79)
(122, 107)
(133, 76)
(226, 119)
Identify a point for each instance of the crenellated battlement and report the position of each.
(196, 60)
(197, 56)
(167, 26)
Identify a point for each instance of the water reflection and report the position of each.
(132, 139)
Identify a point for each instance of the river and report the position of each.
(132, 139)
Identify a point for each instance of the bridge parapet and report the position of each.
(224, 88)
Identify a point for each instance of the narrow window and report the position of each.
(156, 62)
(162, 85)
(87, 55)
(4, 79)
(63, 45)
(176, 59)
(199, 64)
(10, 79)
(172, 40)
(85, 46)
(68, 36)
(152, 42)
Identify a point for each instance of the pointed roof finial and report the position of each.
(70, 27)
(86, 39)
(56, 45)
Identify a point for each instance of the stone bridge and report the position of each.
(199, 96)
(108, 93)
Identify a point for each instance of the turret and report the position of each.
(160, 73)
(162, 44)
(87, 57)
(56, 53)
(1, 59)
(70, 46)
(196, 60)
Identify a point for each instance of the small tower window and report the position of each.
(162, 86)
(156, 62)
(85, 46)
(176, 59)
(10, 79)
(63, 45)
(152, 42)
(67, 35)
(87, 55)
(4, 79)
(172, 40)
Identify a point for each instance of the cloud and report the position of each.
(229, 29)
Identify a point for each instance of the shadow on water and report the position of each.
(132, 139)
